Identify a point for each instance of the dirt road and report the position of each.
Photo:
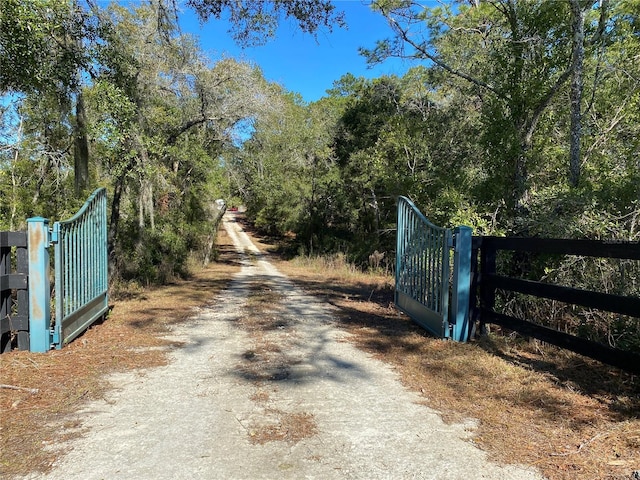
(291, 399)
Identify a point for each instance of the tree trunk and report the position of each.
(81, 148)
(145, 204)
(114, 222)
(577, 62)
(520, 190)
(145, 200)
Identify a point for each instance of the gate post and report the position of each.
(39, 294)
(461, 284)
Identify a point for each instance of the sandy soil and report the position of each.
(293, 399)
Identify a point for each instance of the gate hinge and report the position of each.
(54, 233)
(451, 241)
(55, 337)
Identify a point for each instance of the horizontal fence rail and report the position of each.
(489, 281)
(14, 301)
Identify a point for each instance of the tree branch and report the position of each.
(544, 103)
(186, 126)
(404, 35)
(24, 389)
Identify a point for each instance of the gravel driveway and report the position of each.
(313, 406)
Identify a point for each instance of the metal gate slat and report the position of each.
(423, 268)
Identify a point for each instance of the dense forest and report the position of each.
(522, 119)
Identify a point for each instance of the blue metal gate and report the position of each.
(432, 291)
(81, 278)
(81, 274)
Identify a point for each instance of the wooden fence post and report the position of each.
(487, 293)
(474, 300)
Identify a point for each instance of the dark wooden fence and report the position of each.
(14, 296)
(487, 281)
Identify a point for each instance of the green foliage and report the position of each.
(253, 22)
(480, 136)
(477, 135)
(37, 45)
(286, 169)
(158, 116)
(152, 256)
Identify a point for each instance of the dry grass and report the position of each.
(129, 339)
(269, 360)
(570, 417)
(278, 426)
(566, 415)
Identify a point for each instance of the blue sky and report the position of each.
(299, 62)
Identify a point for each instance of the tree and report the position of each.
(254, 22)
(163, 114)
(516, 57)
(286, 170)
(156, 113)
(41, 54)
(35, 55)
